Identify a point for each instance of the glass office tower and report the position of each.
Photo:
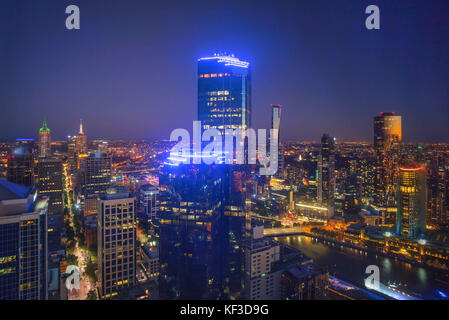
(23, 243)
(224, 93)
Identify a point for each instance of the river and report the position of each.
(350, 265)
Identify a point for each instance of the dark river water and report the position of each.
(350, 265)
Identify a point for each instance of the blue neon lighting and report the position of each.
(228, 60)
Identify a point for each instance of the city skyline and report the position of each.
(135, 162)
(96, 73)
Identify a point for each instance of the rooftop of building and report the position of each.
(115, 192)
(227, 60)
(411, 166)
(300, 272)
(371, 213)
(10, 190)
(18, 199)
(148, 188)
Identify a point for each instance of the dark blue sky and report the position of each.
(130, 71)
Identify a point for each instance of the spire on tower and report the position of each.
(44, 126)
(81, 127)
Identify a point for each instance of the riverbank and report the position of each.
(349, 263)
(371, 250)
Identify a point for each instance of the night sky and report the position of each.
(130, 71)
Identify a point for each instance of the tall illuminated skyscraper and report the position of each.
(412, 196)
(50, 183)
(190, 214)
(98, 173)
(23, 243)
(387, 139)
(276, 124)
(116, 241)
(71, 151)
(224, 102)
(81, 141)
(438, 186)
(326, 174)
(44, 142)
(224, 92)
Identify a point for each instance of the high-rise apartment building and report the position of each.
(116, 241)
(387, 139)
(438, 186)
(262, 281)
(276, 124)
(412, 196)
(326, 175)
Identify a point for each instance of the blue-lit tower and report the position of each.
(224, 92)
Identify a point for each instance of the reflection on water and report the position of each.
(350, 264)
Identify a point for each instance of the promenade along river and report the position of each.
(350, 265)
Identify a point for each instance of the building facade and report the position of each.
(412, 197)
(326, 175)
(23, 243)
(20, 168)
(387, 139)
(44, 142)
(224, 93)
(50, 183)
(98, 173)
(116, 242)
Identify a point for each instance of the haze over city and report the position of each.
(130, 71)
(244, 155)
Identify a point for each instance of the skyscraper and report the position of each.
(438, 185)
(326, 174)
(387, 138)
(97, 174)
(262, 281)
(23, 243)
(276, 124)
(71, 151)
(81, 141)
(190, 220)
(224, 93)
(44, 142)
(20, 168)
(412, 196)
(224, 102)
(148, 201)
(50, 183)
(116, 241)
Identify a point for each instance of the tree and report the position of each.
(92, 295)
(93, 250)
(72, 259)
(90, 270)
